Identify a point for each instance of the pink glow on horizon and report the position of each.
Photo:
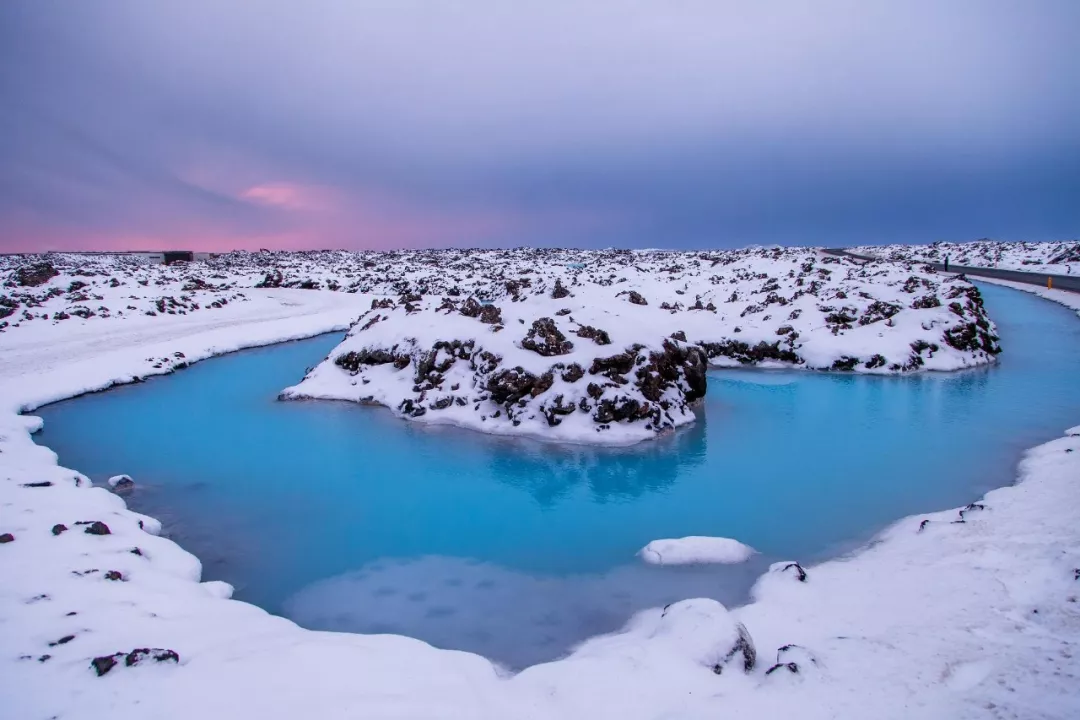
(304, 217)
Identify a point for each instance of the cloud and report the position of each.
(610, 122)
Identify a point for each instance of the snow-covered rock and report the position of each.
(695, 550)
(613, 348)
(121, 482)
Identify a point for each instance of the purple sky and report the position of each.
(399, 123)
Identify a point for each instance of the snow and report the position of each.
(614, 354)
(937, 618)
(695, 550)
(120, 480)
(1056, 258)
(1061, 297)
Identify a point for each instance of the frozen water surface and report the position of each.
(345, 518)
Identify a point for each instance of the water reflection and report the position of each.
(513, 618)
(550, 472)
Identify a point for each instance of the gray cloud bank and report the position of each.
(680, 124)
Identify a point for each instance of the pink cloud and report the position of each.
(292, 215)
(290, 196)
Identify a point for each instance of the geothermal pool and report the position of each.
(345, 518)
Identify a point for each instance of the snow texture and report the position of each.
(1055, 258)
(969, 613)
(612, 347)
(695, 550)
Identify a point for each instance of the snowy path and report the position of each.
(1060, 282)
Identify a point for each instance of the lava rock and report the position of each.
(600, 337)
(102, 665)
(744, 648)
(545, 338)
(35, 275)
(573, 372)
(121, 483)
(353, 360)
(97, 528)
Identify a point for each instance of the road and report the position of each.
(1060, 282)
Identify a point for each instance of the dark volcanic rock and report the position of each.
(97, 528)
(925, 302)
(878, 310)
(748, 354)
(105, 663)
(513, 384)
(491, 314)
(621, 409)
(970, 337)
(876, 361)
(573, 372)
(845, 362)
(272, 280)
(742, 649)
(353, 360)
(6, 538)
(636, 298)
(600, 337)
(545, 339)
(155, 654)
(34, 275)
(615, 366)
(665, 369)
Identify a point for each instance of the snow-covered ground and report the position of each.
(1056, 258)
(966, 613)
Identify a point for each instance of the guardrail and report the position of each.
(1057, 282)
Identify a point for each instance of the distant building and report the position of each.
(168, 257)
(152, 258)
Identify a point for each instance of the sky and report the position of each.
(209, 125)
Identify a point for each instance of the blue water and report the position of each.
(346, 518)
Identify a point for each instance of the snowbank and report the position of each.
(1061, 297)
(695, 550)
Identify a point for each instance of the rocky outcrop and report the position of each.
(496, 341)
(545, 338)
(747, 354)
(35, 275)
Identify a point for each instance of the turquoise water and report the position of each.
(346, 518)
